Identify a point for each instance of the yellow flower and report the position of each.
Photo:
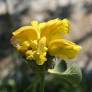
(36, 40)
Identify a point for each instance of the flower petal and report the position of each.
(63, 48)
(55, 29)
(34, 23)
(26, 33)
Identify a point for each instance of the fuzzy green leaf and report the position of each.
(72, 74)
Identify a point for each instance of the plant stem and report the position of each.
(33, 85)
(42, 81)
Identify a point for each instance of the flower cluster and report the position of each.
(38, 39)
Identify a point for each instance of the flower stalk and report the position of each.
(42, 81)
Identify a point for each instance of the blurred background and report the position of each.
(15, 74)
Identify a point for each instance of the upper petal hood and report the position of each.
(55, 29)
